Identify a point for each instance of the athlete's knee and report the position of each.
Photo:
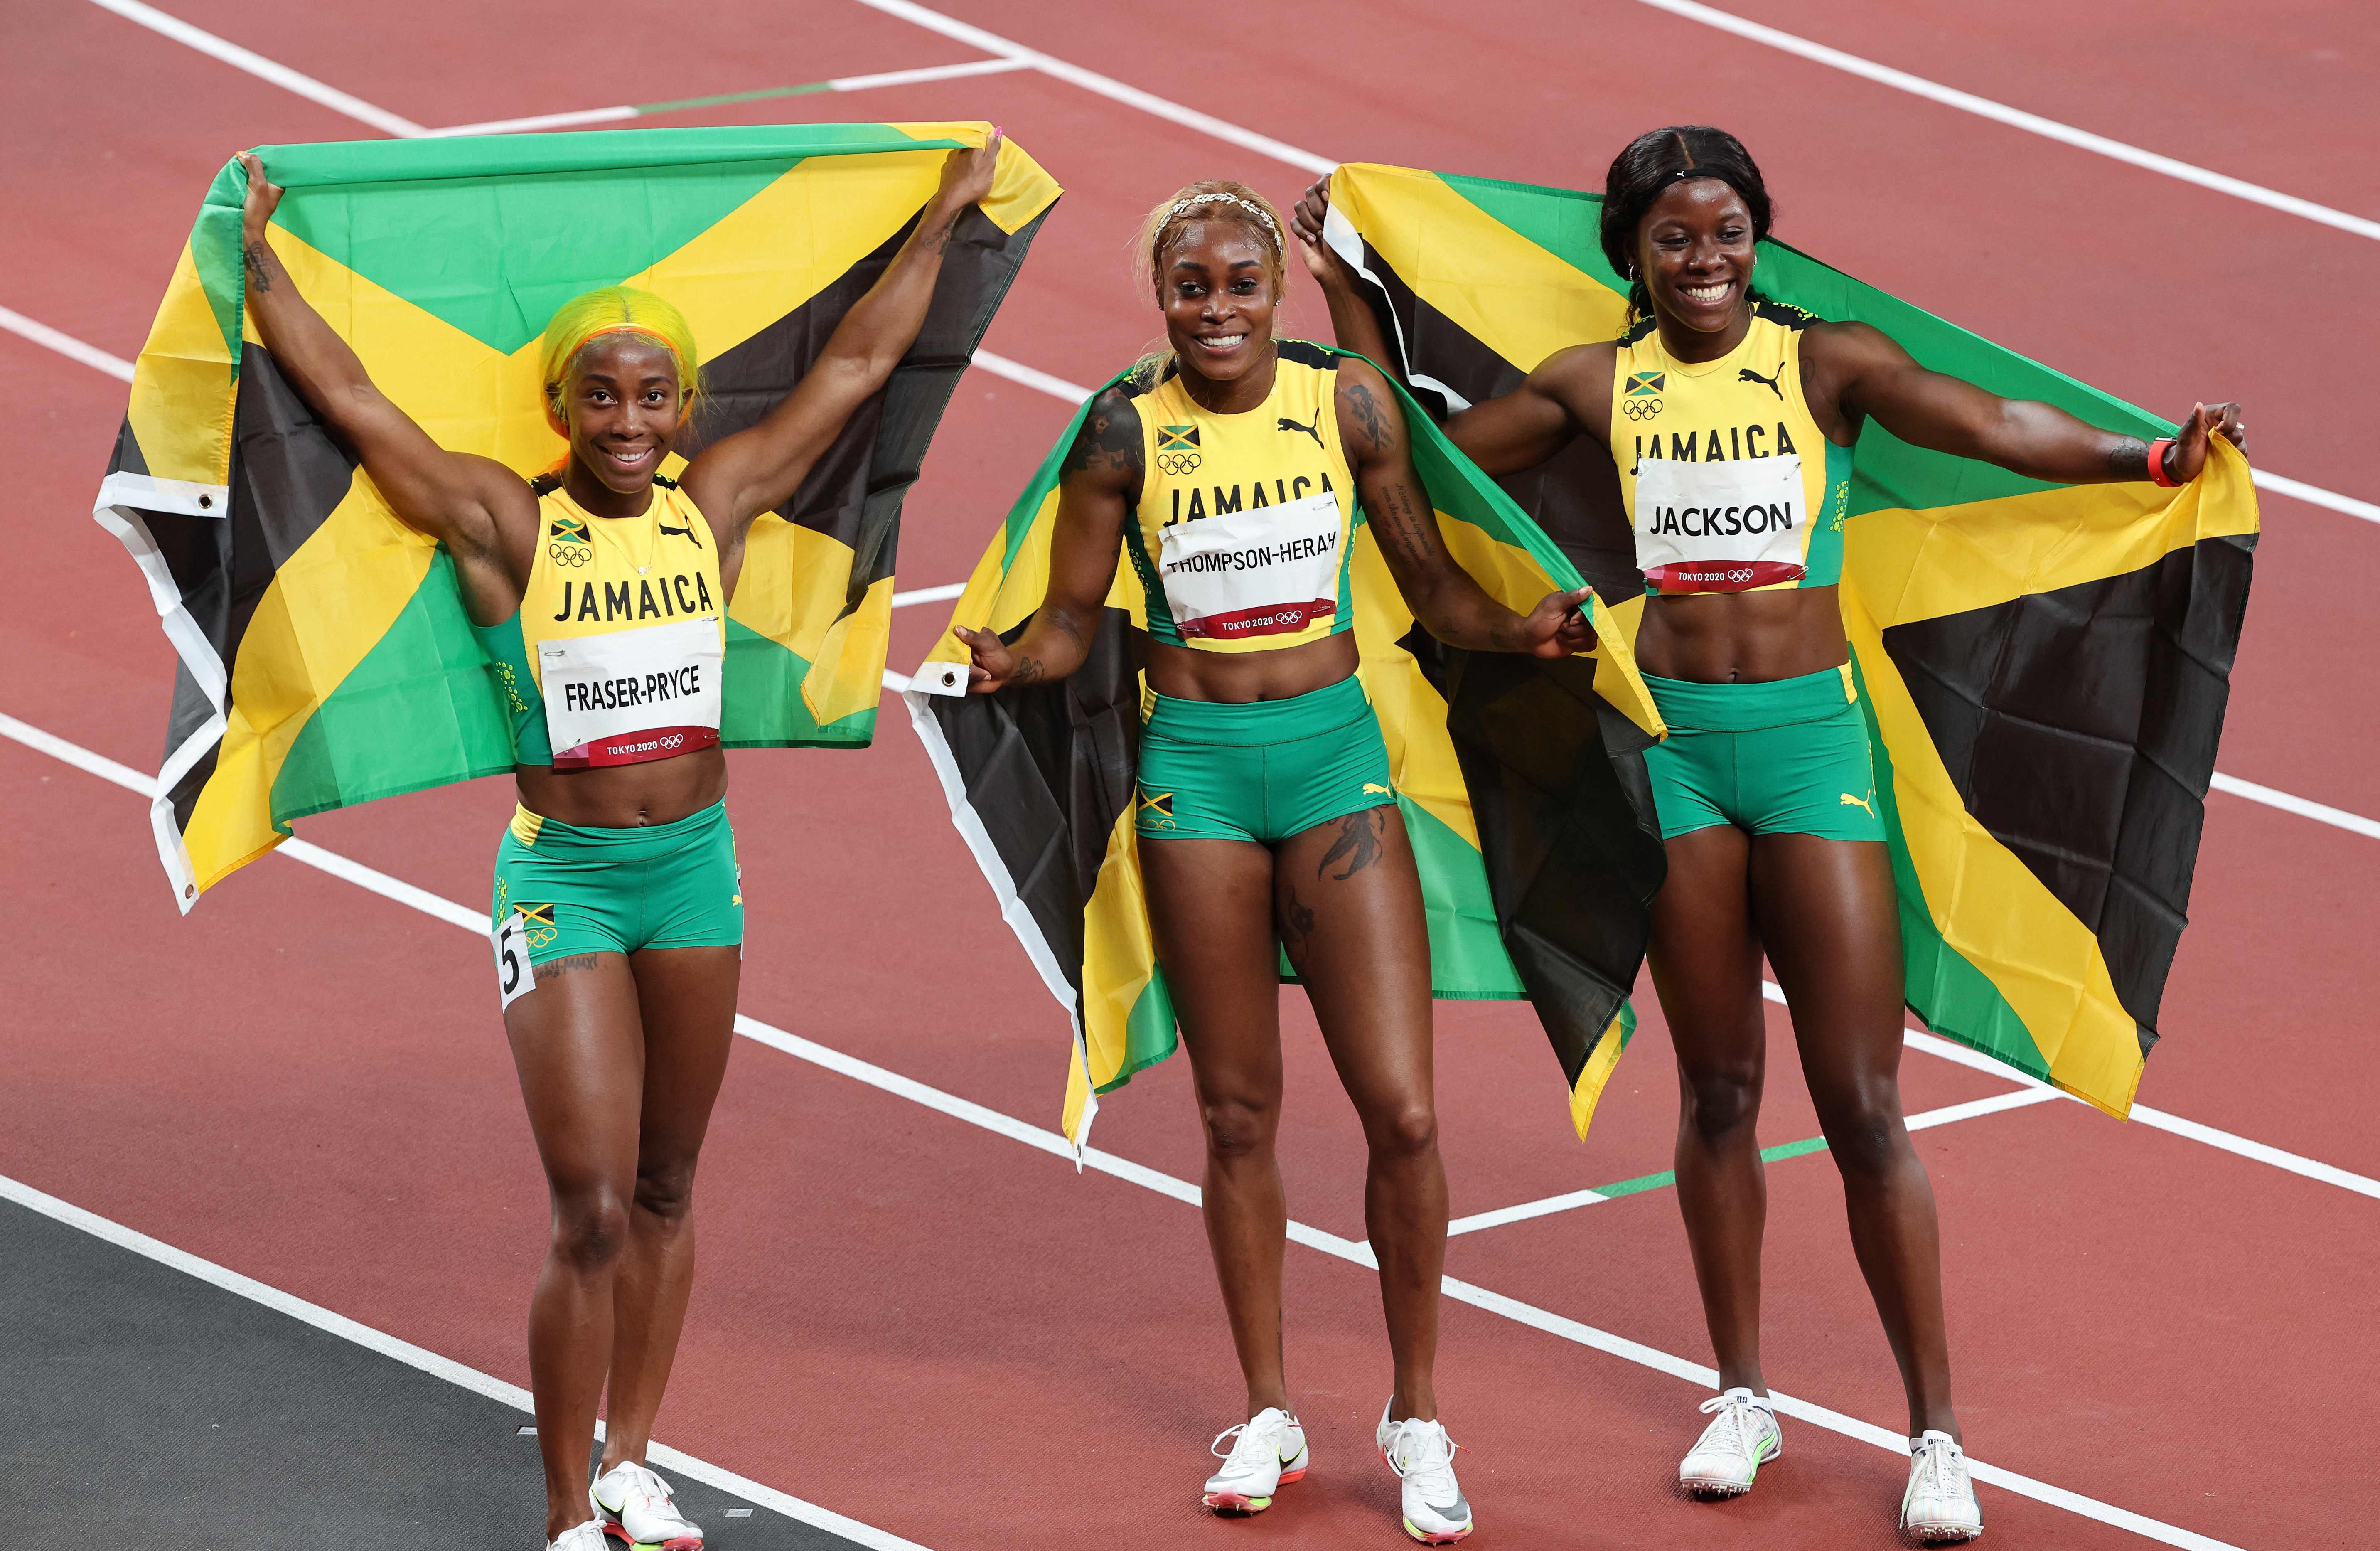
(1239, 1128)
(1407, 1130)
(590, 1226)
(1864, 1128)
(1721, 1099)
(666, 1190)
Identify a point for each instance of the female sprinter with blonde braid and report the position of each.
(619, 868)
(1265, 812)
(1764, 785)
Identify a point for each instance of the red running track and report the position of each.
(909, 1319)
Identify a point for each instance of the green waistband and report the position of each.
(1689, 706)
(1259, 721)
(636, 844)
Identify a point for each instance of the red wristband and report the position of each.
(2157, 463)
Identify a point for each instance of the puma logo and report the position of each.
(1851, 802)
(1746, 374)
(1371, 787)
(685, 532)
(1289, 424)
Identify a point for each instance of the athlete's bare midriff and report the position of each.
(625, 796)
(1751, 637)
(1244, 677)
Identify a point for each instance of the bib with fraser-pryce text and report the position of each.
(1722, 527)
(627, 696)
(1270, 570)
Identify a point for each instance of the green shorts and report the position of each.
(1784, 758)
(1260, 772)
(619, 890)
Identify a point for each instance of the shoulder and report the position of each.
(1108, 445)
(1369, 419)
(1840, 352)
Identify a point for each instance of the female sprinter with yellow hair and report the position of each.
(1764, 785)
(601, 592)
(1264, 810)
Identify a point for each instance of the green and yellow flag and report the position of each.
(2043, 668)
(1522, 784)
(325, 657)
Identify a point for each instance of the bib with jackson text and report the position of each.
(1721, 527)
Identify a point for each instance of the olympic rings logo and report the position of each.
(570, 553)
(673, 741)
(1177, 463)
(1641, 408)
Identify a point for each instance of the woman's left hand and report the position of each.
(1557, 626)
(966, 174)
(2189, 442)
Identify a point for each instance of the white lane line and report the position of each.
(1093, 1158)
(66, 345)
(262, 68)
(1105, 86)
(1569, 1200)
(928, 72)
(424, 1359)
(2314, 496)
(2017, 119)
(2319, 811)
(536, 121)
(1075, 393)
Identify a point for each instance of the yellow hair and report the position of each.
(614, 310)
(1214, 198)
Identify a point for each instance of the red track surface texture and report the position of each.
(937, 1330)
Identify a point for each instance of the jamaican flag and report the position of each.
(325, 657)
(2043, 668)
(1522, 783)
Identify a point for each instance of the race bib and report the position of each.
(515, 976)
(1271, 571)
(627, 696)
(1721, 527)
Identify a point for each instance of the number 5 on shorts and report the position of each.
(515, 976)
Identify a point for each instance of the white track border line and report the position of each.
(231, 54)
(426, 1360)
(1350, 1251)
(1924, 1120)
(1073, 393)
(2017, 119)
(837, 83)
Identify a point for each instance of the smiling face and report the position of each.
(623, 409)
(1216, 284)
(1695, 253)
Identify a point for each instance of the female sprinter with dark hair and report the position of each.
(618, 870)
(1265, 812)
(1764, 786)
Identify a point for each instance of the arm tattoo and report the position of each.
(554, 967)
(2128, 459)
(1028, 671)
(939, 241)
(1369, 417)
(1109, 440)
(253, 257)
(1358, 843)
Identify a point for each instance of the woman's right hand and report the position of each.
(992, 663)
(263, 199)
(1306, 222)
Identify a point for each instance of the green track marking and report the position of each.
(1666, 1178)
(763, 93)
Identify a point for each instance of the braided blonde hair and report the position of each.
(1214, 198)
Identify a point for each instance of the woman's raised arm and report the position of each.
(1868, 375)
(452, 496)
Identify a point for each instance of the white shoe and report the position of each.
(579, 1537)
(1940, 1503)
(1741, 1437)
(1268, 1452)
(634, 1505)
(1423, 1456)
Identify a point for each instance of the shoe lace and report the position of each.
(1423, 1455)
(1938, 1461)
(1248, 1449)
(1728, 1431)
